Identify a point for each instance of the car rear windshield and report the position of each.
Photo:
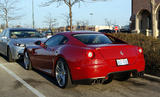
(91, 39)
(25, 34)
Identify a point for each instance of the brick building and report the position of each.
(146, 17)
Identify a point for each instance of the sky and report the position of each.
(116, 11)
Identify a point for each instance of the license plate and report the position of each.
(121, 62)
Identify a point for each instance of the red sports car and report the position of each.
(76, 57)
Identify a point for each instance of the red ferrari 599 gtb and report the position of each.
(76, 57)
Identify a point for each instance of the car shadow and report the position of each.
(46, 76)
(54, 82)
(4, 57)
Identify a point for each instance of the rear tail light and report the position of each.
(140, 50)
(90, 54)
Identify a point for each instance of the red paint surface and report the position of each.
(80, 65)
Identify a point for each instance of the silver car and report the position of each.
(13, 41)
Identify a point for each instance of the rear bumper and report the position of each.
(134, 74)
(104, 70)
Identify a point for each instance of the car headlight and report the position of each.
(20, 45)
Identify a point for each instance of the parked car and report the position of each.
(125, 30)
(76, 57)
(13, 41)
(48, 33)
(107, 31)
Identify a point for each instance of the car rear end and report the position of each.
(103, 59)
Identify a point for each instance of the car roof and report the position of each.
(21, 29)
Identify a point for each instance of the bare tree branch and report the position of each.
(8, 11)
(67, 3)
(66, 19)
(50, 21)
(70, 4)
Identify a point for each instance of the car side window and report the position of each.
(6, 33)
(64, 40)
(54, 41)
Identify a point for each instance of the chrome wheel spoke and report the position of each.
(60, 74)
(63, 78)
(26, 60)
(58, 69)
(26, 55)
(58, 78)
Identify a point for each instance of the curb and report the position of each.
(151, 77)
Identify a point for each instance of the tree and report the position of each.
(50, 21)
(82, 25)
(8, 11)
(66, 19)
(85, 23)
(154, 30)
(70, 4)
(107, 22)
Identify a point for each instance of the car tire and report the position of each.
(123, 76)
(9, 55)
(107, 81)
(26, 61)
(62, 74)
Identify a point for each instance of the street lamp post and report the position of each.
(91, 14)
(33, 21)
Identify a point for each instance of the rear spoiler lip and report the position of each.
(107, 45)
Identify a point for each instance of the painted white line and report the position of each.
(36, 92)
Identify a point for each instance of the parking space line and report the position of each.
(36, 92)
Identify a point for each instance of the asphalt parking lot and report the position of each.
(15, 81)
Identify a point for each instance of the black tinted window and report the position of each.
(56, 40)
(64, 40)
(24, 34)
(93, 38)
(6, 34)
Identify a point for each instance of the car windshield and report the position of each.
(91, 39)
(25, 34)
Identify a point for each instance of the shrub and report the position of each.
(151, 47)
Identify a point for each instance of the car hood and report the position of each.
(27, 40)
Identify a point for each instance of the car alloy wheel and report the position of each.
(26, 61)
(60, 74)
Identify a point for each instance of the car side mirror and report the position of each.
(38, 42)
(43, 45)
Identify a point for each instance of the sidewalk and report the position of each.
(151, 77)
